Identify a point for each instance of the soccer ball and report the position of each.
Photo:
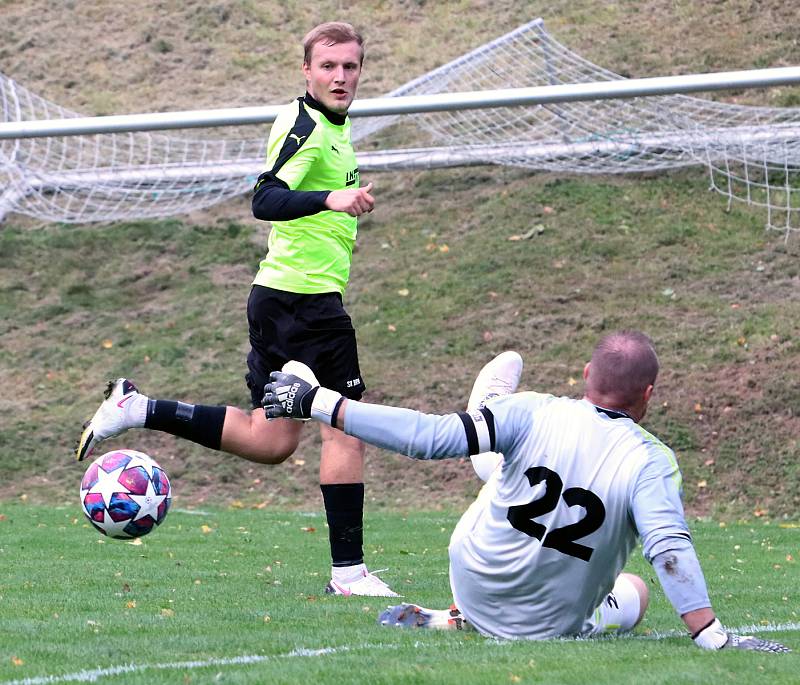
(125, 494)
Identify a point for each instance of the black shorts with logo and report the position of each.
(313, 329)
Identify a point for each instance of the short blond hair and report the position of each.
(331, 33)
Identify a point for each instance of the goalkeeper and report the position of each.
(539, 554)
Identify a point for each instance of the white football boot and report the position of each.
(124, 407)
(499, 377)
(364, 584)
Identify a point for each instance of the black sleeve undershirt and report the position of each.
(274, 201)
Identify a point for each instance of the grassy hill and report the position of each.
(448, 270)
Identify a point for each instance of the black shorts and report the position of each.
(313, 329)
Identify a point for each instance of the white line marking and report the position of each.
(92, 676)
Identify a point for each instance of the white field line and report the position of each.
(94, 675)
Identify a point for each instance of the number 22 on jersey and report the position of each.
(561, 539)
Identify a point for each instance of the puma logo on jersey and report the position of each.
(299, 139)
(333, 147)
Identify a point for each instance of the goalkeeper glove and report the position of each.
(714, 636)
(295, 393)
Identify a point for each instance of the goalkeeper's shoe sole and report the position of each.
(500, 376)
(111, 418)
(414, 616)
(755, 644)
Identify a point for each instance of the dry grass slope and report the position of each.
(719, 296)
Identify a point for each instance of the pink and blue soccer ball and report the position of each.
(125, 494)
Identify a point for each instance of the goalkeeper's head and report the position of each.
(622, 373)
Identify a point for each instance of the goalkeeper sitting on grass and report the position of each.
(540, 552)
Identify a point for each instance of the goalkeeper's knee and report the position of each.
(624, 607)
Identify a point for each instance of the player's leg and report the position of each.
(246, 434)
(498, 377)
(623, 608)
(332, 354)
(271, 319)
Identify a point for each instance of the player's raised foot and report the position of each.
(365, 584)
(499, 377)
(414, 616)
(123, 408)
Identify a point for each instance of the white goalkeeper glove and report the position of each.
(295, 393)
(714, 636)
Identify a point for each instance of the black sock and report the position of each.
(344, 507)
(196, 422)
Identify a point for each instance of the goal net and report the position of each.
(752, 154)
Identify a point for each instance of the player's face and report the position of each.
(332, 76)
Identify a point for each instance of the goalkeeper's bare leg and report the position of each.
(623, 608)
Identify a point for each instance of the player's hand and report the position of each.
(714, 636)
(288, 395)
(354, 201)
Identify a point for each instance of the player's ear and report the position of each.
(586, 371)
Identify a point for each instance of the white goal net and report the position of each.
(752, 153)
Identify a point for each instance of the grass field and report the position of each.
(235, 596)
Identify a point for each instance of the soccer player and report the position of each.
(539, 554)
(311, 193)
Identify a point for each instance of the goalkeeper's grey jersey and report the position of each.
(540, 548)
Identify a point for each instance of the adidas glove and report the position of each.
(714, 636)
(299, 396)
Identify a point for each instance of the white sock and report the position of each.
(348, 574)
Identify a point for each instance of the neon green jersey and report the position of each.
(310, 151)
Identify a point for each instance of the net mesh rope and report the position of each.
(752, 153)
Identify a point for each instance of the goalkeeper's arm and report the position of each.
(679, 572)
(406, 431)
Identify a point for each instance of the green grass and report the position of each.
(226, 583)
